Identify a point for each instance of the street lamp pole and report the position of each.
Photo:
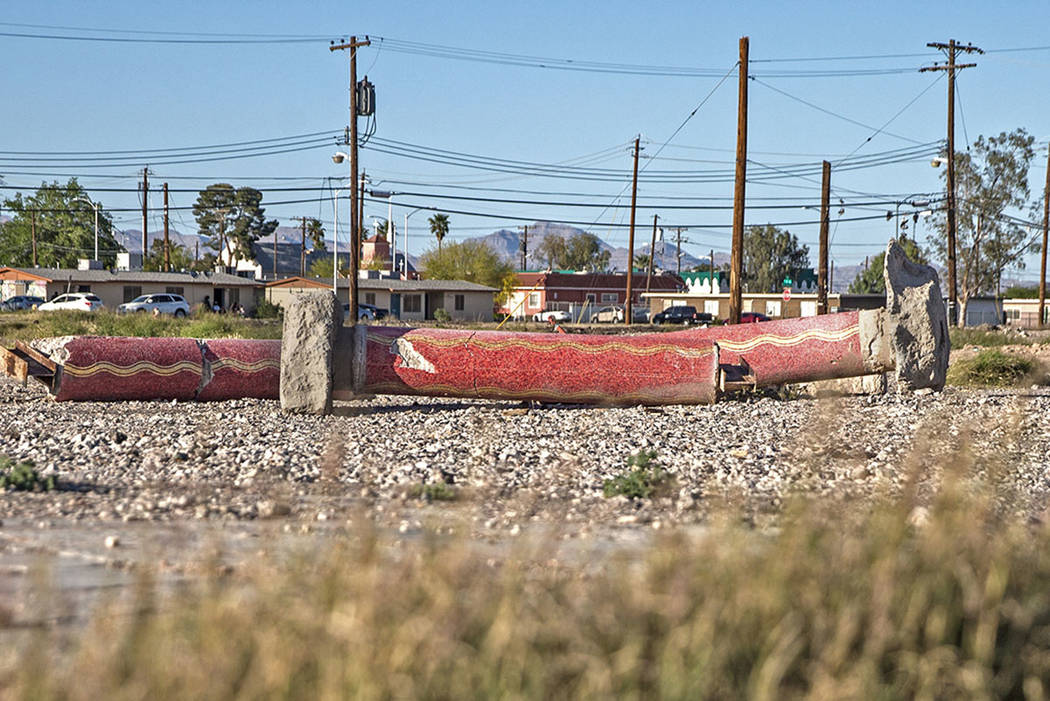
(335, 242)
(404, 252)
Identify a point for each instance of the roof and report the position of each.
(101, 276)
(387, 284)
(661, 281)
(289, 258)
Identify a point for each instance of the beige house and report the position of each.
(774, 306)
(114, 287)
(408, 300)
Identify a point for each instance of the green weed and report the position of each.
(22, 476)
(991, 368)
(429, 492)
(638, 483)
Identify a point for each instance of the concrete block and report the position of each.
(310, 326)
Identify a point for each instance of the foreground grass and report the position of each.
(26, 326)
(950, 600)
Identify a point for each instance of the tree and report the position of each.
(990, 179)
(315, 233)
(641, 261)
(871, 280)
(585, 252)
(65, 228)
(180, 256)
(439, 227)
(554, 250)
(770, 255)
(225, 214)
(472, 261)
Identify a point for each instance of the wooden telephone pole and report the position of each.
(652, 249)
(1046, 226)
(736, 257)
(145, 212)
(627, 310)
(34, 237)
(167, 245)
(302, 246)
(524, 246)
(825, 220)
(355, 234)
(951, 66)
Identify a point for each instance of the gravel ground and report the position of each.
(509, 465)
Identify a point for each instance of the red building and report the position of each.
(581, 292)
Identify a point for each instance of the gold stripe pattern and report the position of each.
(242, 366)
(788, 341)
(134, 369)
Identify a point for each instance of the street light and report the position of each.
(95, 206)
(389, 196)
(404, 253)
(335, 242)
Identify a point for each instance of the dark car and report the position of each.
(22, 302)
(377, 312)
(682, 315)
(752, 318)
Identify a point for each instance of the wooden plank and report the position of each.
(36, 355)
(14, 366)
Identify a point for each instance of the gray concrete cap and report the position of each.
(916, 321)
(307, 346)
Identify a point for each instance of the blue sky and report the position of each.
(62, 96)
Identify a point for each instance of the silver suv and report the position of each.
(163, 303)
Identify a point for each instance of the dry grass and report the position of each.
(26, 326)
(945, 597)
(993, 368)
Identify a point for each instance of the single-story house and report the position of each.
(774, 306)
(580, 293)
(409, 300)
(114, 287)
(1024, 312)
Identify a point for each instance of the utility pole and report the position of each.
(951, 47)
(678, 249)
(524, 247)
(34, 238)
(145, 211)
(825, 220)
(627, 310)
(711, 260)
(360, 213)
(355, 247)
(736, 256)
(275, 253)
(652, 249)
(167, 249)
(302, 246)
(1046, 226)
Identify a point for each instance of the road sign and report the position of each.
(787, 294)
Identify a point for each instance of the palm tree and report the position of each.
(641, 261)
(438, 227)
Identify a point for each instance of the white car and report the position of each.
(558, 315)
(163, 303)
(73, 301)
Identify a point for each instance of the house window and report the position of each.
(534, 300)
(83, 288)
(370, 298)
(412, 303)
(459, 302)
(131, 292)
(175, 291)
(609, 297)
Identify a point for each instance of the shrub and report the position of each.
(268, 310)
(442, 315)
(22, 476)
(639, 483)
(991, 368)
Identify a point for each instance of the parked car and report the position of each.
(752, 318)
(163, 303)
(610, 314)
(365, 312)
(558, 315)
(73, 301)
(21, 302)
(682, 314)
(377, 312)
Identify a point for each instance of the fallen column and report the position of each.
(320, 360)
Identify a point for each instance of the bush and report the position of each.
(442, 315)
(639, 483)
(991, 368)
(268, 310)
(22, 476)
